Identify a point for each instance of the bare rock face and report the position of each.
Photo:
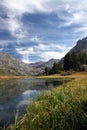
(11, 65)
(81, 46)
(40, 66)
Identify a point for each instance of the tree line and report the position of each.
(72, 61)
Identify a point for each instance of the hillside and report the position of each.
(12, 66)
(81, 46)
(40, 66)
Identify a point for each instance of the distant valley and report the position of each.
(40, 66)
(9, 65)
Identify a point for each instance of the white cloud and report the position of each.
(78, 18)
(44, 52)
(84, 29)
(16, 8)
(35, 39)
(52, 54)
(25, 52)
(71, 12)
(56, 51)
(22, 6)
(76, 13)
(1, 49)
(16, 28)
(5, 42)
(52, 46)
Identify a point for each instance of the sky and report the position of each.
(38, 30)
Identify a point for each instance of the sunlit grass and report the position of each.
(63, 108)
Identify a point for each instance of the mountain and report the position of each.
(9, 65)
(40, 66)
(81, 46)
(37, 64)
(13, 66)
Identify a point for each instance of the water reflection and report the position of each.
(15, 95)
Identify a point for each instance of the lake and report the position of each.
(16, 95)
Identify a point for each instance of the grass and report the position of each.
(6, 77)
(63, 108)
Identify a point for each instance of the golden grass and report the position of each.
(76, 75)
(13, 77)
(64, 108)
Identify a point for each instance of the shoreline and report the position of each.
(75, 75)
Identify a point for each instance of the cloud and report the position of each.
(25, 52)
(3, 24)
(52, 54)
(5, 42)
(35, 39)
(57, 20)
(52, 46)
(28, 6)
(56, 51)
(74, 18)
(70, 12)
(44, 52)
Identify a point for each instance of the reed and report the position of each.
(63, 108)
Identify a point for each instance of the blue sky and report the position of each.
(37, 30)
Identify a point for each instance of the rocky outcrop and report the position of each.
(40, 66)
(12, 65)
(81, 46)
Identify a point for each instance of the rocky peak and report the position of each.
(11, 65)
(81, 46)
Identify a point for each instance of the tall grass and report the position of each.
(64, 108)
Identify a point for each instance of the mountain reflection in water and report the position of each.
(15, 95)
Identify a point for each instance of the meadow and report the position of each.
(63, 108)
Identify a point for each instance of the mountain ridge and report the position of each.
(42, 65)
(11, 65)
(80, 47)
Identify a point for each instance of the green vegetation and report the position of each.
(83, 67)
(8, 71)
(57, 67)
(64, 108)
(72, 62)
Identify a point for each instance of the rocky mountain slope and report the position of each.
(40, 66)
(13, 66)
(81, 46)
(10, 65)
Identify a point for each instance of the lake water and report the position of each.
(16, 95)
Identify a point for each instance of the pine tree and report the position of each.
(75, 61)
(54, 69)
(47, 71)
(67, 62)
